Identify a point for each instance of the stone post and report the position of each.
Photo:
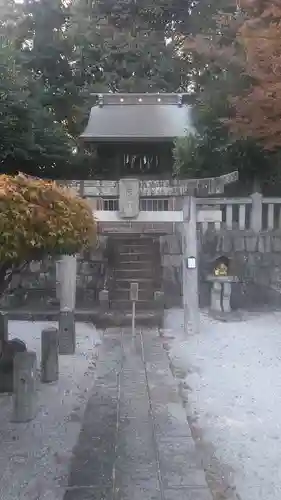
(24, 397)
(190, 275)
(67, 334)
(216, 296)
(49, 355)
(3, 329)
(104, 300)
(68, 267)
(226, 295)
(67, 275)
(256, 215)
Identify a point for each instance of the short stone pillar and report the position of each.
(67, 334)
(104, 300)
(226, 297)
(67, 276)
(10, 349)
(216, 296)
(49, 355)
(25, 385)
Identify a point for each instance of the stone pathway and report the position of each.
(135, 443)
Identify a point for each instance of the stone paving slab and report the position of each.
(135, 442)
(88, 494)
(188, 494)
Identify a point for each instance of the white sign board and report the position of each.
(128, 198)
(134, 292)
(191, 263)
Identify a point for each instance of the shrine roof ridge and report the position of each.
(131, 98)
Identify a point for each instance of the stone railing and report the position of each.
(145, 204)
(251, 213)
(254, 213)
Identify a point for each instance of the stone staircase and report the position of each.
(136, 259)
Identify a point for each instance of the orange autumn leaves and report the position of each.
(245, 49)
(39, 218)
(257, 111)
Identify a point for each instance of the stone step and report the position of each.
(124, 294)
(136, 264)
(134, 241)
(131, 240)
(133, 274)
(126, 281)
(146, 292)
(145, 284)
(117, 319)
(135, 250)
(140, 256)
(135, 244)
(126, 305)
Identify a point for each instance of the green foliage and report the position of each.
(122, 46)
(66, 50)
(63, 51)
(30, 136)
(47, 53)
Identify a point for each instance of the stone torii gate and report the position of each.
(129, 194)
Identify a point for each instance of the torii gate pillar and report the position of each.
(190, 267)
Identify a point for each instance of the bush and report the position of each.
(39, 218)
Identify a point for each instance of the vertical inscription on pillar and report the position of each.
(128, 198)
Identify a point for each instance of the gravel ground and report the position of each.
(34, 457)
(230, 381)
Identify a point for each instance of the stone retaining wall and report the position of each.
(254, 258)
(37, 284)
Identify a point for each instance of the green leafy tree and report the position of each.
(128, 46)
(47, 54)
(30, 136)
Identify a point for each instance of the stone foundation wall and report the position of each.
(36, 287)
(254, 258)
